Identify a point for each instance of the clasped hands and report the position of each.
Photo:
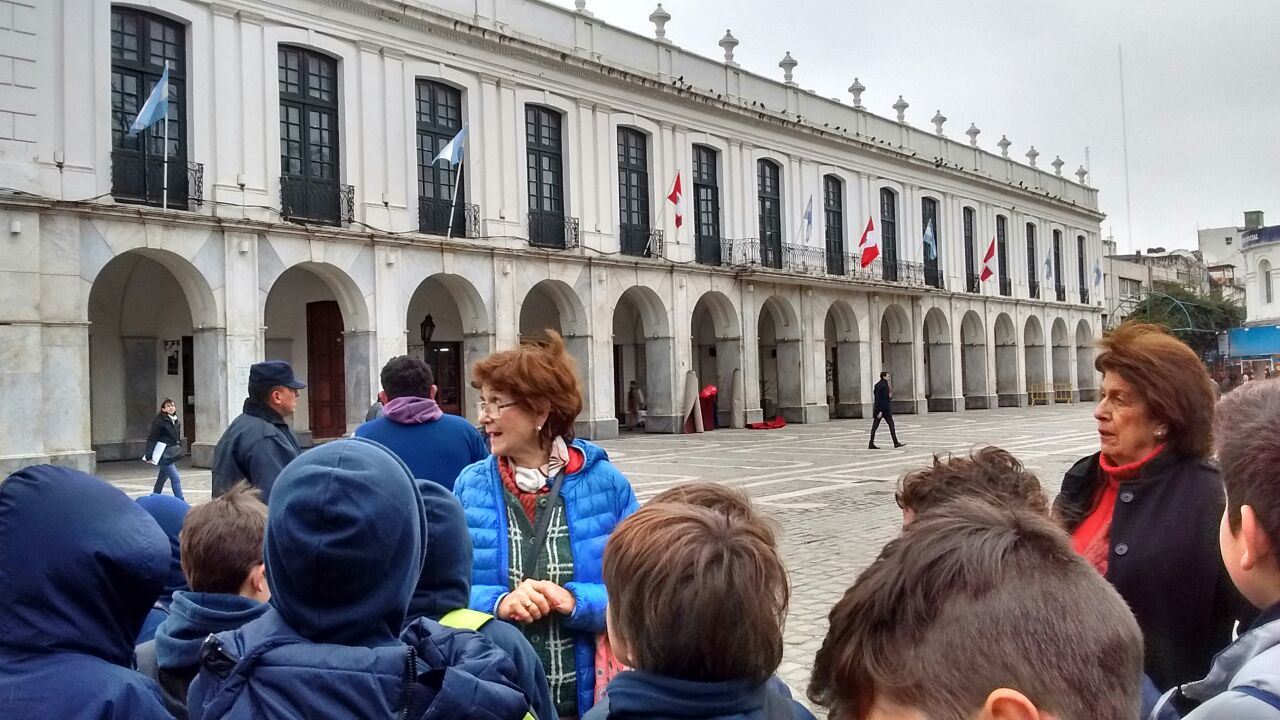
(535, 599)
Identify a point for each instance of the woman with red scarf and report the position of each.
(1145, 509)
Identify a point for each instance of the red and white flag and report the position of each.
(676, 197)
(988, 261)
(869, 245)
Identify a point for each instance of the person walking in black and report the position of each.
(257, 445)
(883, 409)
(166, 429)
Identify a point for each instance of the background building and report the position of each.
(302, 219)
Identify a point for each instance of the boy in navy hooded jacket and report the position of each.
(345, 542)
(80, 566)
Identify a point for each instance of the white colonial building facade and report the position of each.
(302, 219)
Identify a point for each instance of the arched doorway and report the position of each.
(146, 311)
(553, 305)
(781, 365)
(973, 362)
(1061, 361)
(939, 388)
(1033, 349)
(448, 326)
(843, 366)
(896, 337)
(315, 318)
(1007, 362)
(717, 352)
(1085, 373)
(642, 353)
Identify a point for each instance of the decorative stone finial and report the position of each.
(856, 90)
(1082, 174)
(973, 133)
(728, 43)
(580, 6)
(1057, 165)
(788, 64)
(901, 106)
(659, 18)
(1032, 155)
(1004, 145)
(937, 120)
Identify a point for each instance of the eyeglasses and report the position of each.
(492, 409)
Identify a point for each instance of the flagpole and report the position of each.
(457, 183)
(164, 193)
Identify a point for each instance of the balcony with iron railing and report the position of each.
(1061, 291)
(318, 201)
(1084, 296)
(933, 276)
(1033, 288)
(641, 241)
(139, 179)
(552, 231)
(973, 283)
(1006, 287)
(434, 213)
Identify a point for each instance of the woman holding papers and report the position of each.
(164, 447)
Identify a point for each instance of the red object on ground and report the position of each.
(774, 424)
(707, 404)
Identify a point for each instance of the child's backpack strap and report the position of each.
(1265, 696)
(465, 619)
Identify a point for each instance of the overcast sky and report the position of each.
(1202, 84)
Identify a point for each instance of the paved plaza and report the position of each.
(832, 496)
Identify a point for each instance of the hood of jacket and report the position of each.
(408, 410)
(80, 565)
(195, 616)
(169, 513)
(460, 671)
(345, 541)
(445, 583)
(643, 694)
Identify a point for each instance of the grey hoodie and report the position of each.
(1244, 680)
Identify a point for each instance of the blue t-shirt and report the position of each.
(436, 450)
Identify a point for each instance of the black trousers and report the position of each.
(888, 419)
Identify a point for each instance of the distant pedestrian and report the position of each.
(434, 445)
(164, 447)
(883, 410)
(257, 445)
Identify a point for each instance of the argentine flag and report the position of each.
(452, 151)
(930, 243)
(156, 108)
(1097, 272)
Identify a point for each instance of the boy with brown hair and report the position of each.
(1244, 680)
(990, 474)
(696, 607)
(980, 613)
(732, 502)
(221, 544)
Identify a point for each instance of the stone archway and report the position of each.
(553, 305)
(1006, 337)
(939, 387)
(896, 340)
(1086, 375)
(842, 352)
(643, 353)
(459, 336)
(1061, 360)
(1033, 349)
(717, 351)
(781, 363)
(973, 362)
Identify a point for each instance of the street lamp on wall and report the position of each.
(426, 330)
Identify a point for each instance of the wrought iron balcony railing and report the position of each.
(433, 218)
(1061, 291)
(897, 272)
(139, 179)
(641, 241)
(973, 283)
(710, 250)
(1084, 295)
(1033, 288)
(1006, 287)
(933, 276)
(320, 201)
(552, 230)
(837, 261)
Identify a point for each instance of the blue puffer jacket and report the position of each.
(596, 499)
(80, 566)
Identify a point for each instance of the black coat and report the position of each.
(255, 447)
(168, 432)
(884, 404)
(1165, 560)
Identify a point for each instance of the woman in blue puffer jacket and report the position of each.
(539, 477)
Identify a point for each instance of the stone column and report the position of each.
(358, 350)
(750, 360)
(662, 380)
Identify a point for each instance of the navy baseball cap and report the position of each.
(273, 373)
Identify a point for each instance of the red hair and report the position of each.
(540, 376)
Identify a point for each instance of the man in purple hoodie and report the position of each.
(435, 446)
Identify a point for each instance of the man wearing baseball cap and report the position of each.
(257, 445)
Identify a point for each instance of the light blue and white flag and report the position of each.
(1097, 272)
(930, 243)
(1048, 268)
(452, 151)
(808, 220)
(156, 108)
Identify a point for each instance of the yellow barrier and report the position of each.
(1049, 393)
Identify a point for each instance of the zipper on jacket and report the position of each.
(410, 676)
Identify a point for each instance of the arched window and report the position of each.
(833, 214)
(1002, 255)
(439, 114)
(1264, 277)
(889, 233)
(931, 241)
(769, 188)
(972, 283)
(310, 190)
(633, 191)
(1033, 270)
(142, 44)
(545, 165)
(706, 205)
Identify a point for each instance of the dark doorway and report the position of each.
(188, 389)
(445, 359)
(326, 370)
